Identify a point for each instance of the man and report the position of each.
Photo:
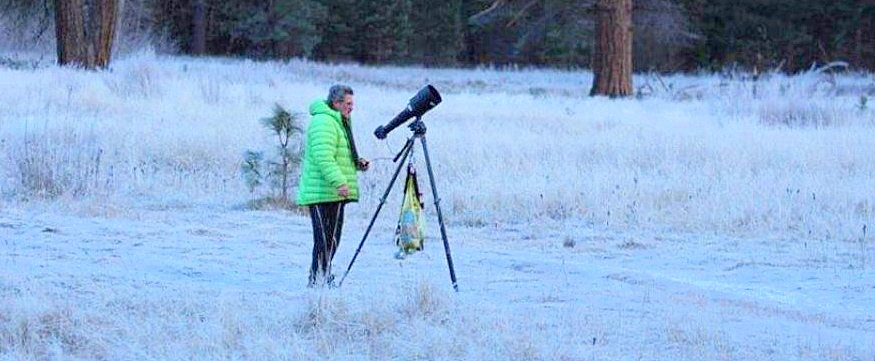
(329, 176)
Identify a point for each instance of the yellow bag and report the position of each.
(409, 235)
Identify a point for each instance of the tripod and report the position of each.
(418, 128)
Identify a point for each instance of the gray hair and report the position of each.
(337, 92)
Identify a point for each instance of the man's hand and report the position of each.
(343, 191)
(363, 164)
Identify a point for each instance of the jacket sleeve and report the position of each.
(322, 138)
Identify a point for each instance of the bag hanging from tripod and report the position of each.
(409, 235)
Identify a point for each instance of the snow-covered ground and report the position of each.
(206, 284)
(711, 218)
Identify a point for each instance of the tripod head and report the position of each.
(418, 127)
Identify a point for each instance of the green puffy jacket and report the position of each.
(328, 162)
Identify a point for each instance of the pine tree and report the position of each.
(273, 28)
(385, 31)
(437, 32)
(339, 30)
(277, 171)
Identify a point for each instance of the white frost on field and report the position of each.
(709, 220)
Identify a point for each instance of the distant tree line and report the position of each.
(668, 35)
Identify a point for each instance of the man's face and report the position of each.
(344, 106)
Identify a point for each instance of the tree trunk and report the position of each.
(70, 32)
(612, 61)
(107, 12)
(86, 31)
(858, 49)
(199, 27)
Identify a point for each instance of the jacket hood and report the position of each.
(320, 106)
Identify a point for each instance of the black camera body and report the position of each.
(427, 98)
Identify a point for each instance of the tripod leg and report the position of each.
(437, 205)
(406, 151)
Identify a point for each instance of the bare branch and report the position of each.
(487, 16)
(519, 15)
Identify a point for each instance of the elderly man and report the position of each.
(329, 176)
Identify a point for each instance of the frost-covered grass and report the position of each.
(415, 323)
(711, 218)
(208, 284)
(782, 157)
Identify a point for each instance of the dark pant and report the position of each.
(327, 219)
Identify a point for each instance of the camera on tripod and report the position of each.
(427, 98)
